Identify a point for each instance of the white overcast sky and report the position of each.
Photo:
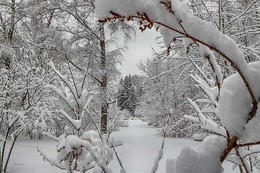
(139, 48)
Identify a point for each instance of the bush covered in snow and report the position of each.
(76, 153)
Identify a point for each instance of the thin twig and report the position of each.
(11, 150)
(100, 136)
(117, 157)
(248, 144)
(242, 160)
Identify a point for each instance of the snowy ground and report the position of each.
(137, 154)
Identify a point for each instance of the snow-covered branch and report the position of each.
(176, 19)
(204, 121)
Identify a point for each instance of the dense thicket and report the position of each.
(54, 57)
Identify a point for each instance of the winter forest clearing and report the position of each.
(138, 152)
(197, 94)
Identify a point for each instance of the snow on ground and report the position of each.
(26, 159)
(141, 145)
(138, 152)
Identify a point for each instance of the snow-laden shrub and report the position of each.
(78, 148)
(123, 118)
(181, 129)
(83, 153)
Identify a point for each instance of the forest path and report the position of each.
(141, 145)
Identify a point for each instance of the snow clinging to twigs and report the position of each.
(182, 21)
(203, 160)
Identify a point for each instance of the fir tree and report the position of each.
(127, 96)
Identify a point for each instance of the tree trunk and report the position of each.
(1, 163)
(12, 25)
(104, 105)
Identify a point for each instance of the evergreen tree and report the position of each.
(121, 97)
(127, 97)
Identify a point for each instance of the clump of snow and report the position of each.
(199, 136)
(207, 53)
(235, 103)
(75, 123)
(252, 129)
(92, 136)
(203, 160)
(125, 7)
(71, 143)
